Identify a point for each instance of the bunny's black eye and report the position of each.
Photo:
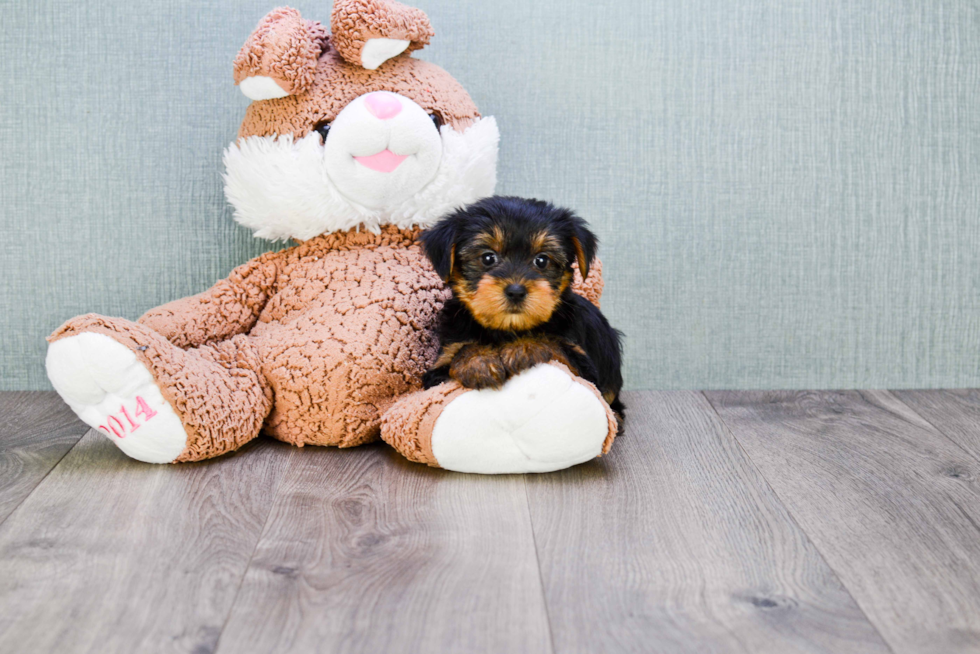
(488, 259)
(541, 261)
(436, 120)
(323, 129)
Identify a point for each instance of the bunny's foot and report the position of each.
(541, 420)
(157, 402)
(112, 391)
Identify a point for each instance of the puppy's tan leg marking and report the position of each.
(448, 353)
(478, 366)
(525, 353)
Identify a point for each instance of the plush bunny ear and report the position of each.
(280, 56)
(368, 33)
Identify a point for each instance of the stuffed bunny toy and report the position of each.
(350, 147)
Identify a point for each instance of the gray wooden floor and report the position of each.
(722, 522)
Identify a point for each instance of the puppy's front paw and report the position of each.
(478, 366)
(525, 353)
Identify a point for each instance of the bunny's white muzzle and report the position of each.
(383, 162)
(381, 149)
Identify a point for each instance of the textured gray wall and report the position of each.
(788, 191)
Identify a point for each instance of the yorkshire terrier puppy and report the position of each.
(508, 262)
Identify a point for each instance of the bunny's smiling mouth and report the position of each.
(384, 162)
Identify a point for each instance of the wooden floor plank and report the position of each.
(956, 413)
(36, 430)
(366, 552)
(674, 543)
(112, 555)
(892, 504)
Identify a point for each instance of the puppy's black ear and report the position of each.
(439, 245)
(585, 245)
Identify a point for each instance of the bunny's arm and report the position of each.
(230, 307)
(591, 287)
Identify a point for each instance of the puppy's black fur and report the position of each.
(508, 261)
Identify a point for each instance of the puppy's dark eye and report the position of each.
(488, 258)
(541, 261)
(436, 120)
(323, 129)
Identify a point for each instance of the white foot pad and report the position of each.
(541, 420)
(110, 390)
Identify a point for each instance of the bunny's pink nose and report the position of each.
(383, 105)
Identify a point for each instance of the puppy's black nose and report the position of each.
(515, 292)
